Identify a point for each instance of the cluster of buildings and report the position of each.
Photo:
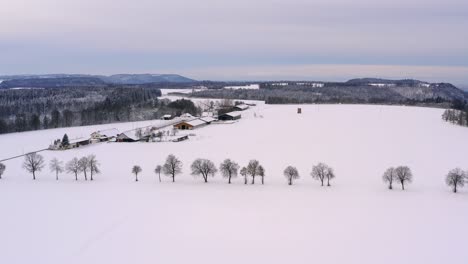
(151, 133)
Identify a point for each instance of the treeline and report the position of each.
(457, 117)
(458, 114)
(34, 109)
(329, 95)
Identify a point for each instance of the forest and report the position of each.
(38, 108)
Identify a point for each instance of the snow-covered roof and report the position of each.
(76, 140)
(233, 114)
(130, 135)
(208, 119)
(242, 106)
(167, 116)
(113, 132)
(196, 122)
(186, 115)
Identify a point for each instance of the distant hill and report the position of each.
(74, 80)
(356, 91)
(146, 78)
(52, 82)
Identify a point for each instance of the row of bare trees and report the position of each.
(206, 168)
(230, 169)
(89, 165)
(455, 178)
(34, 162)
(400, 174)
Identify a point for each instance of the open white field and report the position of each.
(357, 220)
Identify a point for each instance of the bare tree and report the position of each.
(158, 171)
(261, 173)
(159, 135)
(244, 173)
(204, 168)
(291, 173)
(321, 172)
(73, 166)
(2, 169)
(389, 176)
(135, 170)
(229, 169)
(84, 166)
(93, 165)
(139, 133)
(403, 175)
(56, 166)
(455, 178)
(33, 163)
(252, 169)
(330, 175)
(172, 167)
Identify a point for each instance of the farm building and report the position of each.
(241, 107)
(127, 137)
(182, 138)
(192, 124)
(186, 116)
(208, 119)
(76, 143)
(230, 116)
(166, 117)
(104, 135)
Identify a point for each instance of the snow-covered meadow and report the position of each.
(357, 220)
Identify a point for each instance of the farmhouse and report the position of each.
(192, 124)
(241, 107)
(230, 116)
(104, 135)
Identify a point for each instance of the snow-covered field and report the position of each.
(357, 220)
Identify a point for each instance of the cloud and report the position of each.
(231, 33)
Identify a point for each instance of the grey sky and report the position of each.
(216, 39)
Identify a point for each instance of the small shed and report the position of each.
(189, 125)
(241, 107)
(182, 138)
(230, 116)
(166, 117)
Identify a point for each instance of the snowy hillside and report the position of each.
(358, 220)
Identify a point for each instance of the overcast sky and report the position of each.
(238, 39)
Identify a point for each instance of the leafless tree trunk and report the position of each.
(172, 167)
(135, 170)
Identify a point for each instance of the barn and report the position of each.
(127, 137)
(230, 116)
(189, 125)
(241, 107)
(76, 143)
